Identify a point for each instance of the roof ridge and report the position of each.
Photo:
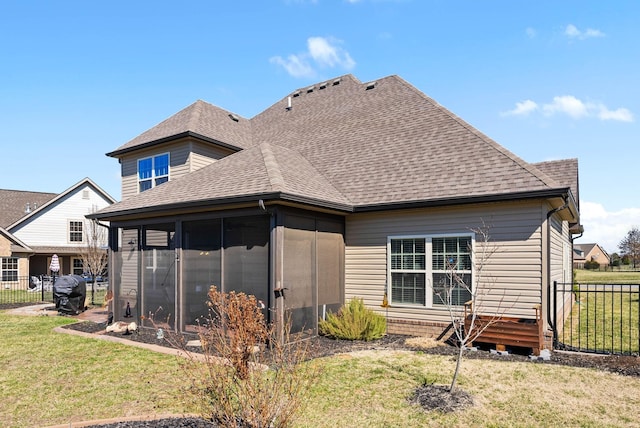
(273, 169)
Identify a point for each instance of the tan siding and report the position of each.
(185, 156)
(513, 274)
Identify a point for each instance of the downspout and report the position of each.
(549, 317)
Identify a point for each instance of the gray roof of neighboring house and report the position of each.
(13, 204)
(346, 144)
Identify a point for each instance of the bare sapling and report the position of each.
(473, 288)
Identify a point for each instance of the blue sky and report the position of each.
(545, 79)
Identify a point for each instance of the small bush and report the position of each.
(591, 264)
(246, 377)
(354, 322)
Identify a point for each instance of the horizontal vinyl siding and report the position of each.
(185, 156)
(513, 273)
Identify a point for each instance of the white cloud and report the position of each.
(621, 114)
(574, 33)
(567, 104)
(327, 54)
(572, 107)
(606, 228)
(522, 109)
(321, 52)
(296, 66)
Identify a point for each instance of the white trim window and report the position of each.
(422, 268)
(76, 231)
(9, 269)
(153, 171)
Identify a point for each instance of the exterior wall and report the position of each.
(51, 226)
(185, 156)
(599, 255)
(5, 246)
(512, 275)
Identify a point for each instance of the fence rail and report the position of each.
(597, 318)
(39, 289)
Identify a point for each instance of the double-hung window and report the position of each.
(75, 231)
(153, 171)
(430, 270)
(9, 269)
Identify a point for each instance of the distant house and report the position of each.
(589, 253)
(36, 225)
(340, 189)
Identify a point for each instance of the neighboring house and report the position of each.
(589, 253)
(35, 226)
(341, 189)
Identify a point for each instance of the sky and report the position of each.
(546, 79)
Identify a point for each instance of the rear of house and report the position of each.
(342, 189)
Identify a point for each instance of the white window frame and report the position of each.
(154, 178)
(3, 262)
(70, 231)
(428, 270)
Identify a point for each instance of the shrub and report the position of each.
(354, 322)
(591, 264)
(246, 377)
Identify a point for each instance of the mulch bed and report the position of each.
(320, 346)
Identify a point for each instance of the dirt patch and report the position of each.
(438, 397)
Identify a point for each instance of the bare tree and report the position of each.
(94, 254)
(456, 285)
(630, 246)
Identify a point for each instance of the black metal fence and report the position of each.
(35, 289)
(597, 318)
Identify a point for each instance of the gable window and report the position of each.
(75, 231)
(423, 268)
(153, 171)
(9, 269)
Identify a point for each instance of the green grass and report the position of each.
(615, 277)
(51, 378)
(604, 321)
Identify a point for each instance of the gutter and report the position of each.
(549, 214)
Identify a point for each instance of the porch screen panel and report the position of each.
(124, 275)
(299, 273)
(246, 257)
(201, 268)
(158, 273)
(330, 248)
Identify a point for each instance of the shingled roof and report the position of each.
(15, 204)
(349, 145)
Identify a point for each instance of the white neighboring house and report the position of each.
(39, 225)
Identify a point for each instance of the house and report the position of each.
(589, 253)
(36, 225)
(340, 189)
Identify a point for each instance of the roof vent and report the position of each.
(234, 117)
(296, 94)
(27, 209)
(323, 85)
(336, 81)
(288, 103)
(310, 89)
(371, 85)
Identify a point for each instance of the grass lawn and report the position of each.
(50, 378)
(615, 277)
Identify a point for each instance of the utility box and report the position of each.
(69, 294)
